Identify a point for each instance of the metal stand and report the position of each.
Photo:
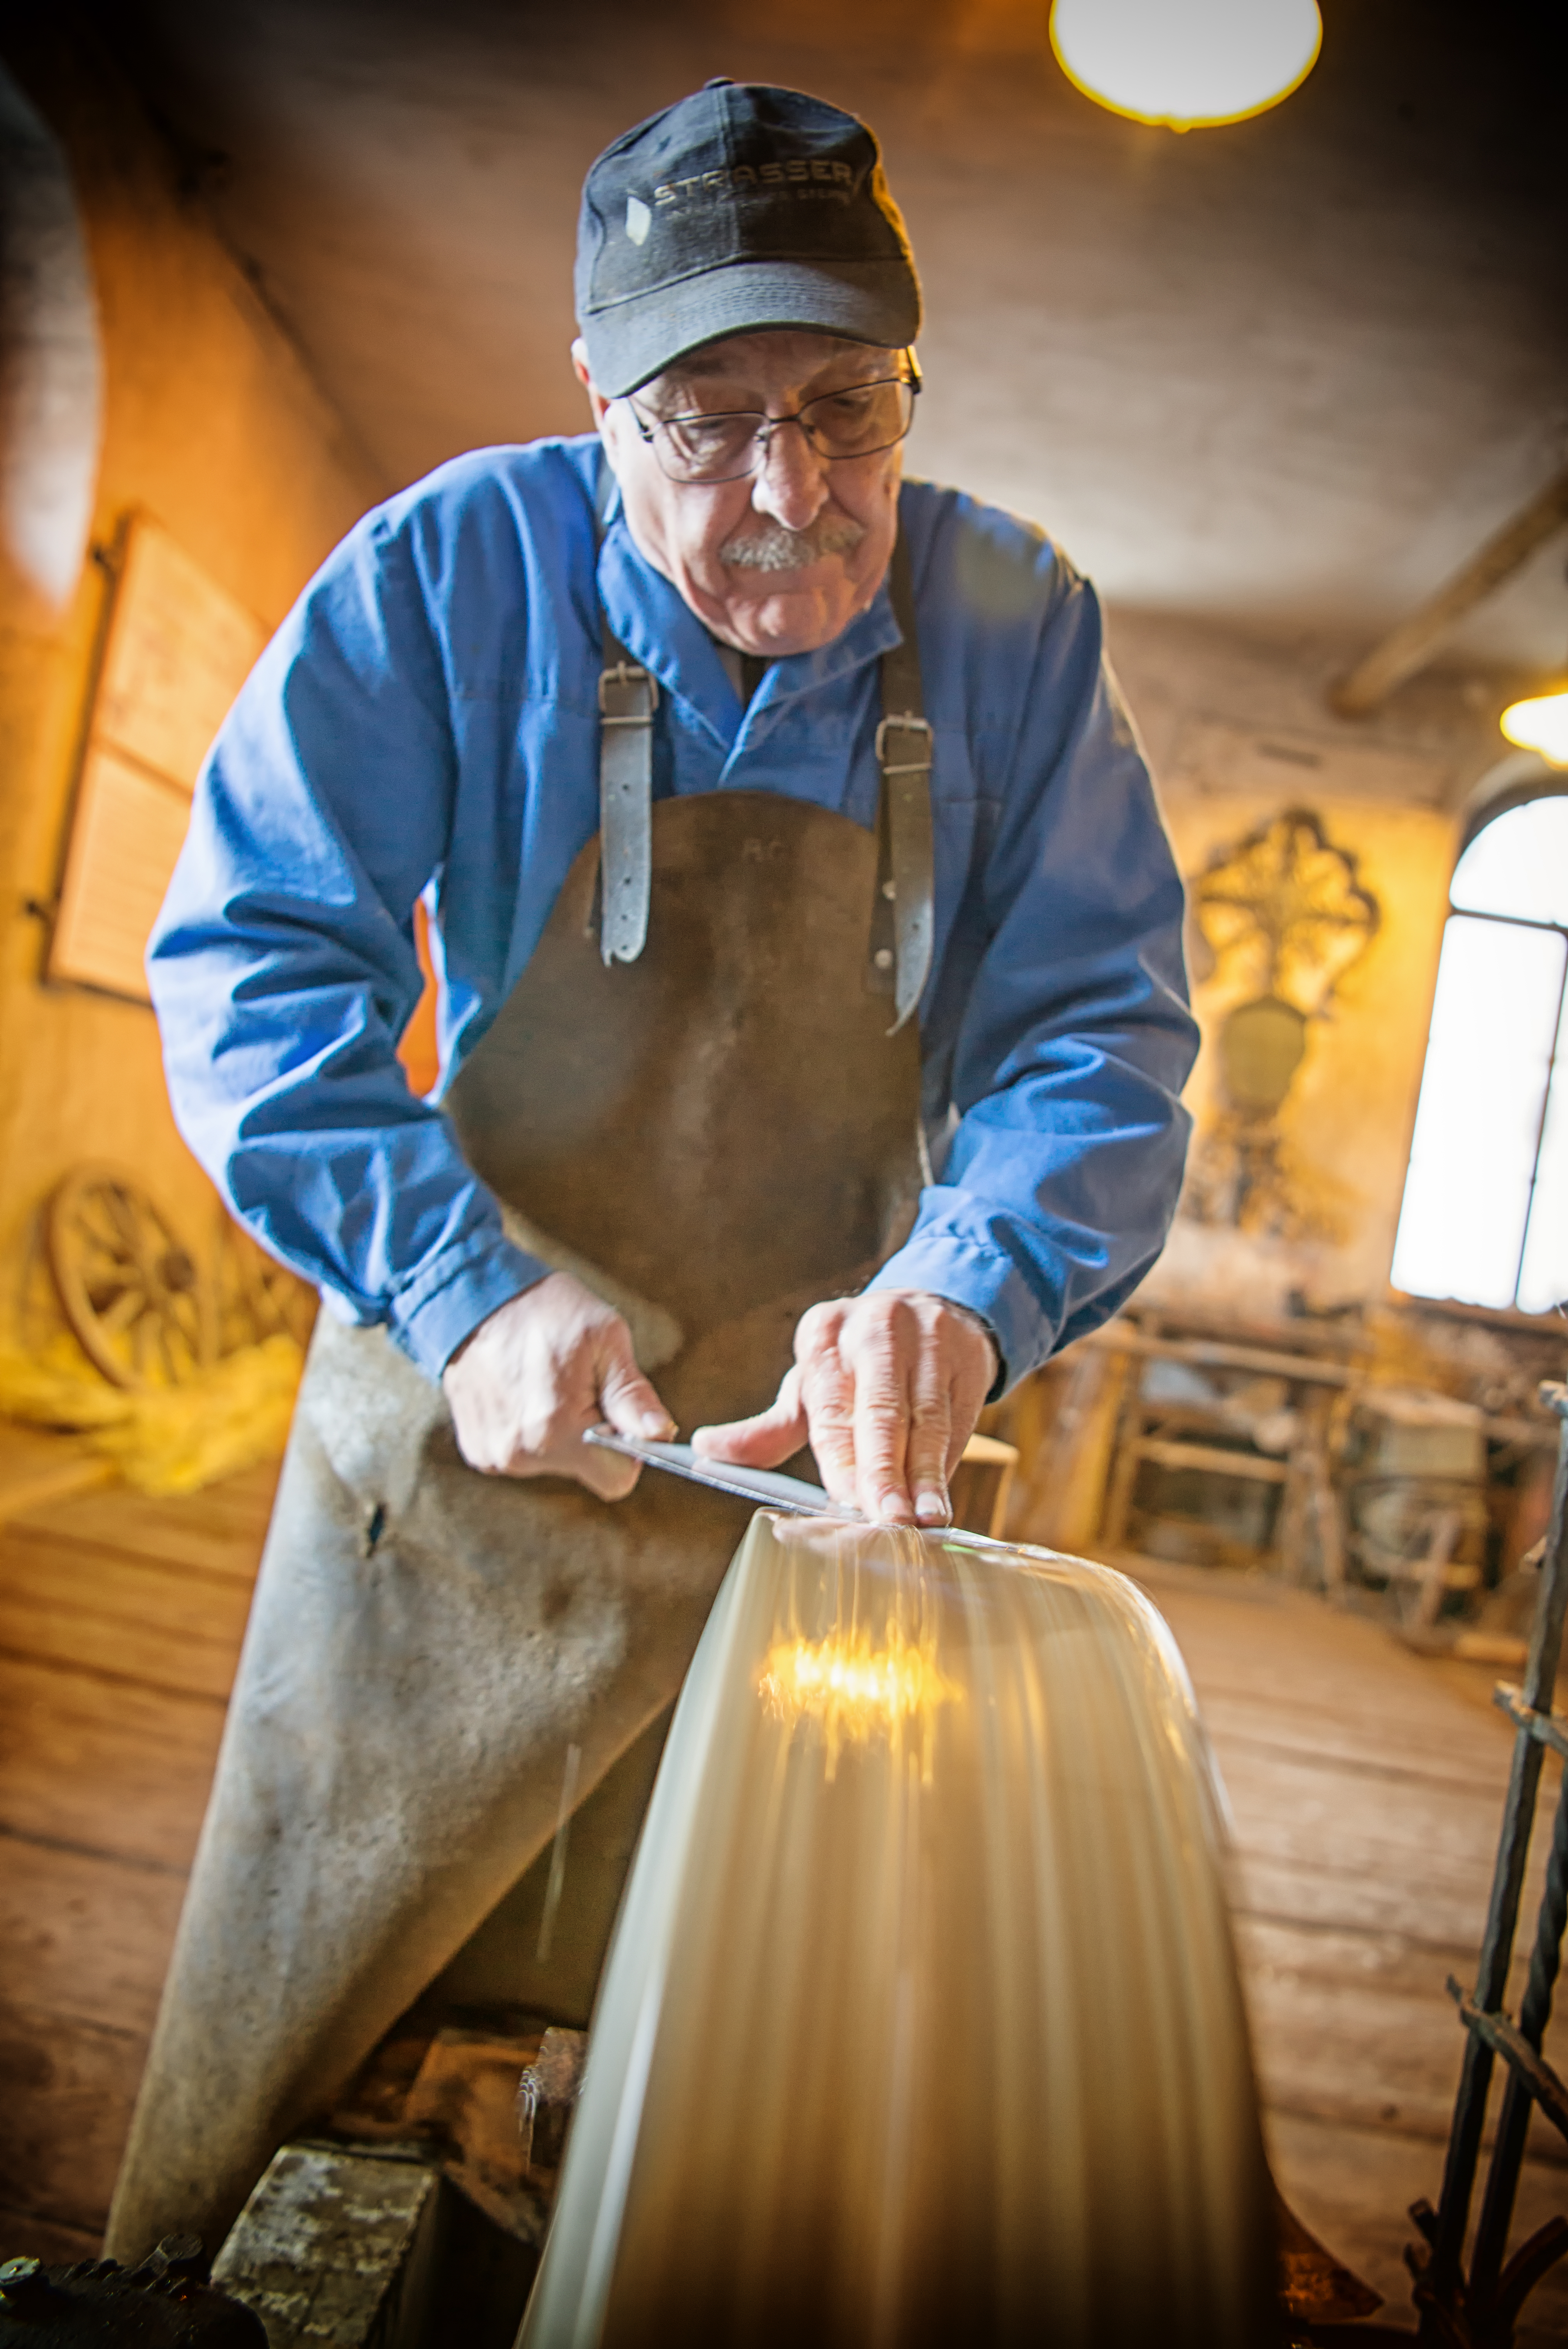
(1481, 2310)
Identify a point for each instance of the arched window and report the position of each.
(1485, 1216)
(51, 384)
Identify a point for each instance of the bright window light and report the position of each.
(1544, 1280)
(1518, 864)
(1187, 64)
(1477, 1125)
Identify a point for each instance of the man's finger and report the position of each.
(608, 1475)
(969, 1390)
(884, 1363)
(763, 1440)
(828, 1391)
(930, 1441)
(625, 1397)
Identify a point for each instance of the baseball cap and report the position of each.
(741, 207)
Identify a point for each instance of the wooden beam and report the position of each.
(1412, 643)
(1213, 1459)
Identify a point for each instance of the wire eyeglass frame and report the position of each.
(657, 432)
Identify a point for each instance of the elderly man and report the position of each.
(813, 1024)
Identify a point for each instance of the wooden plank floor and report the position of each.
(120, 1620)
(1367, 1789)
(1365, 1786)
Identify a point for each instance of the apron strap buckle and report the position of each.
(628, 697)
(906, 722)
(624, 676)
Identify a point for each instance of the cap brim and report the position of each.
(634, 341)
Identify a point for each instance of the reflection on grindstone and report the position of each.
(921, 2021)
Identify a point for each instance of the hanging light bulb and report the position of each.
(1187, 64)
(1540, 724)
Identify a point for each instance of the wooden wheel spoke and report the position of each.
(119, 1205)
(100, 1248)
(133, 1294)
(109, 1232)
(128, 1305)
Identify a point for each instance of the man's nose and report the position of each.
(792, 484)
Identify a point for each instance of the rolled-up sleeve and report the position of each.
(1059, 1173)
(283, 968)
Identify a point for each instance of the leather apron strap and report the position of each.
(903, 915)
(628, 697)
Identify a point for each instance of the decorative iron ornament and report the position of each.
(1282, 910)
(1288, 907)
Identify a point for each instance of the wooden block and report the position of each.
(374, 2103)
(104, 1765)
(466, 2098)
(335, 2247)
(67, 2089)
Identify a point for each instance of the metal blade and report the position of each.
(760, 1486)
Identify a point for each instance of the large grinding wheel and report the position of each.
(132, 1293)
(922, 2023)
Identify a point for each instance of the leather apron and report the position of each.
(715, 1130)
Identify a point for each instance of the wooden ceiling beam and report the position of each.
(1410, 645)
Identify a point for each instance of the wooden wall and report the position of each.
(212, 424)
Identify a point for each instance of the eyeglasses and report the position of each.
(857, 422)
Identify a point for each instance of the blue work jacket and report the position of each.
(425, 723)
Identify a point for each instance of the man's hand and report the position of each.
(887, 1389)
(546, 1366)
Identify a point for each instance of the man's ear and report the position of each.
(596, 400)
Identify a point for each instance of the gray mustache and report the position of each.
(770, 546)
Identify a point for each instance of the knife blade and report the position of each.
(763, 1486)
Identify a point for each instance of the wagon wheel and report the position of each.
(256, 1296)
(133, 1294)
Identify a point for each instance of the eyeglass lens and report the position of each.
(854, 422)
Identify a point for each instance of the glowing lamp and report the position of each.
(1187, 64)
(1540, 724)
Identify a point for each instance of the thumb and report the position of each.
(764, 1439)
(627, 1400)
